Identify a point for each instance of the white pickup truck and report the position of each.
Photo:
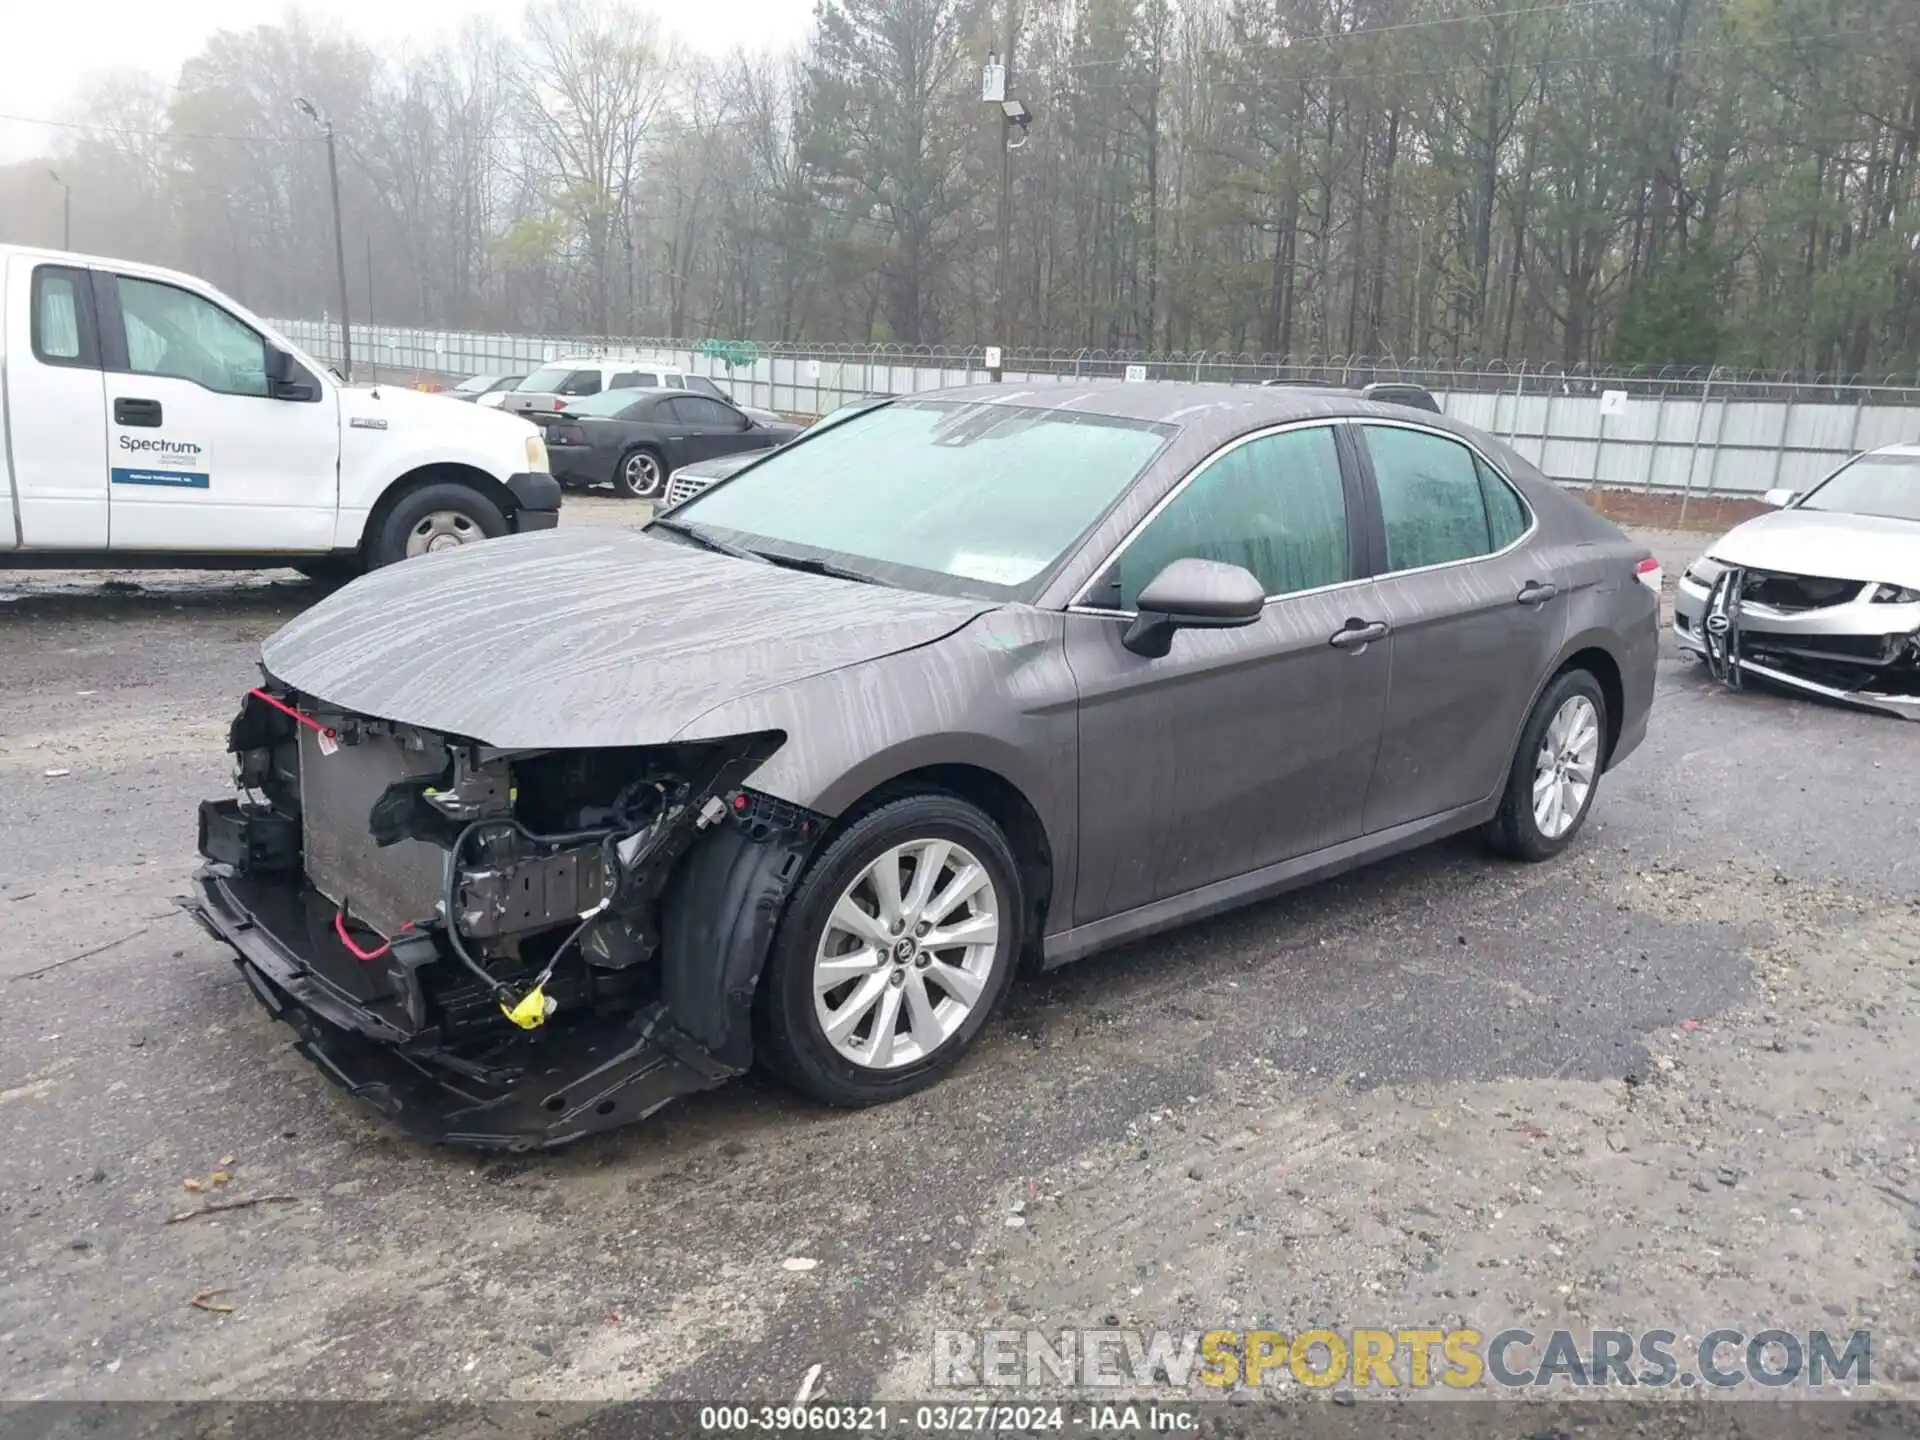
(148, 420)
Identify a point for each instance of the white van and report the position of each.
(146, 419)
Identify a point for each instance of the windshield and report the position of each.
(1884, 485)
(972, 499)
(548, 380)
(607, 402)
(475, 384)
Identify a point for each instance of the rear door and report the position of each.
(55, 408)
(1478, 616)
(201, 456)
(1241, 748)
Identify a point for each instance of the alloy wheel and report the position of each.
(906, 954)
(643, 475)
(1564, 770)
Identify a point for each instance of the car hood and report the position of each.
(721, 466)
(580, 638)
(1826, 543)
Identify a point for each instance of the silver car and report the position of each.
(1822, 596)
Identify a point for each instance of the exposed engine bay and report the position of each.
(498, 948)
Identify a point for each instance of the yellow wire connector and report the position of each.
(532, 1011)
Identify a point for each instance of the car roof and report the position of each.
(614, 362)
(1905, 449)
(1177, 402)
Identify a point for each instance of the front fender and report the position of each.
(995, 695)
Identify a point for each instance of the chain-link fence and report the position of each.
(1687, 431)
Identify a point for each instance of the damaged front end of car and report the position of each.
(505, 949)
(1848, 641)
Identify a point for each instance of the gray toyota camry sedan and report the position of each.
(531, 837)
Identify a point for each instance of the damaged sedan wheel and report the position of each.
(896, 949)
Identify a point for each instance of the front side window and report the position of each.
(708, 414)
(971, 499)
(1430, 497)
(176, 333)
(1274, 506)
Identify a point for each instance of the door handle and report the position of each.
(128, 411)
(1536, 592)
(1358, 634)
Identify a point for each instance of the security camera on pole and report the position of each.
(995, 79)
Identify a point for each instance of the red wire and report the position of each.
(286, 709)
(340, 929)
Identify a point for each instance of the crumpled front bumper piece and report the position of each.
(1712, 624)
(556, 1087)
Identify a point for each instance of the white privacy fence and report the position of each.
(1688, 432)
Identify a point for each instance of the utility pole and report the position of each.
(1002, 298)
(305, 107)
(373, 369)
(66, 211)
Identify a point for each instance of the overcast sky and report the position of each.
(45, 48)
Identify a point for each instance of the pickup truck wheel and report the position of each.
(434, 517)
(641, 476)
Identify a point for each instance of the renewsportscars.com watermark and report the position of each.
(1398, 1359)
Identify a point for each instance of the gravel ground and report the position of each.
(1668, 1080)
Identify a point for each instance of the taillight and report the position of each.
(1647, 572)
(565, 435)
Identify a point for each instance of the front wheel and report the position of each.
(1555, 772)
(434, 517)
(896, 948)
(641, 475)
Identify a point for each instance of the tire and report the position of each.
(928, 1036)
(1573, 747)
(457, 513)
(641, 474)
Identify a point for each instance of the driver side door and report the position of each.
(709, 428)
(200, 456)
(1241, 748)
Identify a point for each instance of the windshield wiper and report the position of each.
(706, 541)
(814, 566)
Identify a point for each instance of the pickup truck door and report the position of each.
(200, 456)
(55, 409)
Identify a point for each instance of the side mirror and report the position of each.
(1193, 594)
(1779, 499)
(285, 379)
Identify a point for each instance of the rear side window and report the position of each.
(62, 327)
(1506, 512)
(1430, 497)
(1274, 506)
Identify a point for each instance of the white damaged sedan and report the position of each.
(1823, 595)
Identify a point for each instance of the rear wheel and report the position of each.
(435, 517)
(1556, 771)
(895, 950)
(642, 475)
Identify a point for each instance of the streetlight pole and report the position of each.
(66, 211)
(305, 107)
(1003, 281)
